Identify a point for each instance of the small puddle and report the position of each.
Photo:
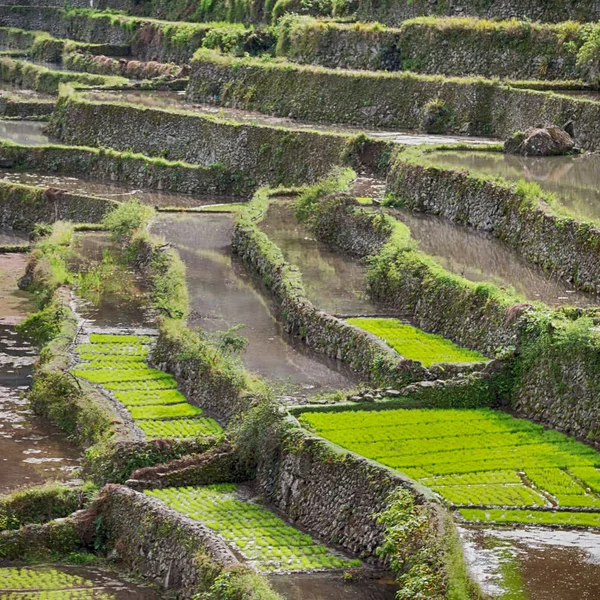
(29, 133)
(176, 100)
(575, 180)
(222, 295)
(124, 306)
(31, 450)
(328, 586)
(478, 256)
(112, 190)
(534, 564)
(334, 282)
(56, 581)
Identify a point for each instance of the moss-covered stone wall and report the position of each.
(395, 100)
(265, 154)
(562, 246)
(126, 167)
(22, 206)
(394, 13)
(455, 47)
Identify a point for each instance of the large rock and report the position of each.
(540, 141)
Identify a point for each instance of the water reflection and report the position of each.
(575, 180)
(534, 564)
(29, 133)
(334, 282)
(176, 100)
(478, 256)
(114, 191)
(222, 295)
(327, 586)
(31, 450)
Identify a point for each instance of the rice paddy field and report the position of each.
(415, 344)
(259, 535)
(488, 465)
(118, 364)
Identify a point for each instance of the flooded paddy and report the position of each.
(176, 101)
(574, 180)
(113, 190)
(478, 256)
(222, 295)
(31, 450)
(326, 586)
(116, 299)
(334, 282)
(61, 581)
(533, 564)
(30, 133)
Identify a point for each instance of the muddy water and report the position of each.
(333, 281)
(325, 586)
(30, 133)
(478, 256)
(114, 191)
(176, 101)
(575, 180)
(222, 295)
(98, 583)
(125, 307)
(530, 564)
(31, 451)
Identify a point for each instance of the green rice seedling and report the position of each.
(180, 428)
(164, 412)
(115, 349)
(532, 517)
(472, 457)
(145, 385)
(113, 364)
(150, 398)
(260, 536)
(118, 375)
(415, 344)
(101, 338)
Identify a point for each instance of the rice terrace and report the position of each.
(299, 300)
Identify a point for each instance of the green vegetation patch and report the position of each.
(260, 536)
(415, 344)
(569, 519)
(150, 395)
(47, 584)
(476, 459)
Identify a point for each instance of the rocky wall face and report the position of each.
(332, 493)
(21, 207)
(171, 550)
(396, 100)
(136, 171)
(267, 154)
(562, 392)
(561, 246)
(525, 52)
(553, 11)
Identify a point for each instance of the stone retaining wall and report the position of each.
(173, 551)
(365, 353)
(134, 169)
(266, 154)
(394, 13)
(446, 47)
(22, 206)
(474, 316)
(395, 100)
(562, 246)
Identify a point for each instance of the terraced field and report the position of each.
(487, 464)
(416, 344)
(260, 536)
(117, 363)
